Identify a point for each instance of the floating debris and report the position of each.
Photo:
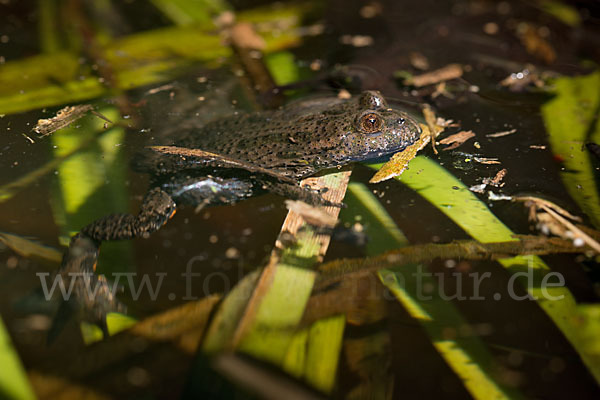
(28, 138)
(63, 118)
(486, 160)
(434, 129)
(500, 134)
(478, 188)
(357, 40)
(440, 90)
(518, 81)
(446, 123)
(495, 181)
(457, 139)
(371, 10)
(449, 72)
(162, 88)
(418, 60)
(534, 40)
(552, 219)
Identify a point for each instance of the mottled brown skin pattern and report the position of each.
(294, 142)
(300, 140)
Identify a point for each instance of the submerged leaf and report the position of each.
(564, 12)
(571, 120)
(138, 59)
(455, 200)
(467, 356)
(13, 380)
(31, 249)
(263, 322)
(63, 118)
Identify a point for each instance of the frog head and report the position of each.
(377, 129)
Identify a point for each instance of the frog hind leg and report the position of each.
(92, 296)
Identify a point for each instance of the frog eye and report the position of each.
(370, 122)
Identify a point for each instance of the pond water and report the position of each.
(529, 353)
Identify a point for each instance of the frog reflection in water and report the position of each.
(272, 150)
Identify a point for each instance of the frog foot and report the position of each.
(91, 295)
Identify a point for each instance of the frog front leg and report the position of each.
(92, 296)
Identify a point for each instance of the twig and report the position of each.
(465, 249)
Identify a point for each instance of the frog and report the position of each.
(231, 159)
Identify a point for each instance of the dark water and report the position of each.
(225, 243)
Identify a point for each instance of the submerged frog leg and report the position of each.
(92, 296)
(157, 207)
(295, 192)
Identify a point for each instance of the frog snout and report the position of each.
(410, 124)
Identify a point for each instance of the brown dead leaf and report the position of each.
(486, 160)
(457, 139)
(62, 118)
(535, 44)
(399, 161)
(357, 40)
(496, 180)
(553, 219)
(518, 81)
(446, 123)
(432, 123)
(418, 60)
(500, 134)
(449, 72)
(440, 90)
